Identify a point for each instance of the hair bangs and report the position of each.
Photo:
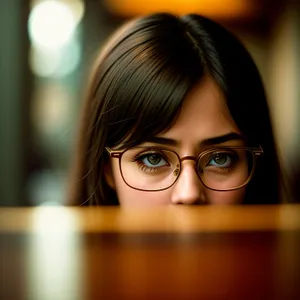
(144, 84)
(146, 104)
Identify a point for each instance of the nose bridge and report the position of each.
(188, 157)
(188, 189)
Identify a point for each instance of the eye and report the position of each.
(153, 160)
(223, 160)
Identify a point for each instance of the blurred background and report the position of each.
(47, 48)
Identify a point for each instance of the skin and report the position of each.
(204, 116)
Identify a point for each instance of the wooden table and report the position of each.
(176, 252)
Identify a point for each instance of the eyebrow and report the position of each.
(232, 136)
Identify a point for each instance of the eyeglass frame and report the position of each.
(255, 151)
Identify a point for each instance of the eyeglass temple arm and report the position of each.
(258, 152)
(113, 153)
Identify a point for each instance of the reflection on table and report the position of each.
(176, 252)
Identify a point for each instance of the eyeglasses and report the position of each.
(155, 169)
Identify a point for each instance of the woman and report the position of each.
(176, 114)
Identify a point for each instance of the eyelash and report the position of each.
(138, 159)
(229, 168)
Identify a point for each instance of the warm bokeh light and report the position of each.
(211, 8)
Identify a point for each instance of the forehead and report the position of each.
(204, 114)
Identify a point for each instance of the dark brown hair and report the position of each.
(140, 83)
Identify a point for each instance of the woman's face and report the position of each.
(204, 122)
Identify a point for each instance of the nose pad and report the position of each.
(188, 188)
